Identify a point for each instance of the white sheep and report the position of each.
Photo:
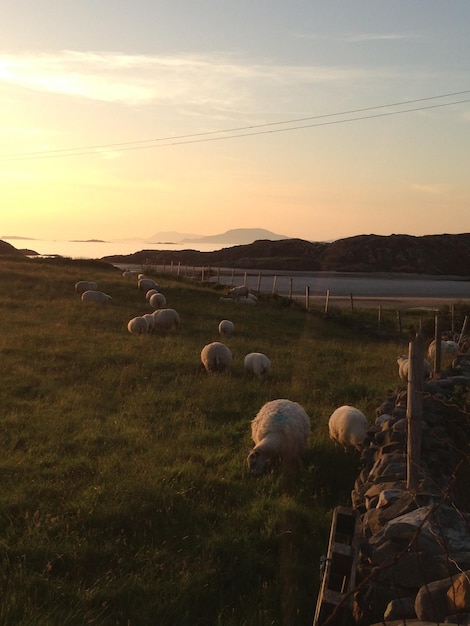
(216, 357)
(404, 367)
(166, 319)
(138, 325)
(85, 285)
(129, 274)
(157, 301)
(95, 296)
(150, 293)
(257, 363)
(348, 426)
(448, 349)
(246, 300)
(279, 431)
(226, 327)
(144, 284)
(150, 321)
(239, 292)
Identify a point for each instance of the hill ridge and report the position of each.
(444, 254)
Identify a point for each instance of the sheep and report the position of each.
(448, 349)
(348, 427)
(216, 357)
(226, 327)
(157, 301)
(144, 284)
(150, 293)
(150, 321)
(95, 296)
(166, 319)
(129, 274)
(85, 285)
(257, 363)
(404, 366)
(239, 292)
(279, 432)
(246, 300)
(138, 326)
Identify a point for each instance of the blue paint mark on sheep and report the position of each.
(280, 418)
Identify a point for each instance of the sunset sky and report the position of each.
(313, 119)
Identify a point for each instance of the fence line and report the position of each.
(283, 285)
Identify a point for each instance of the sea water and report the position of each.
(98, 249)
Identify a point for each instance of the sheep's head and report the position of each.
(258, 462)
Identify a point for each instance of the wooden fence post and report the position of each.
(259, 282)
(218, 275)
(244, 280)
(290, 288)
(399, 321)
(352, 302)
(274, 285)
(437, 341)
(307, 297)
(464, 327)
(233, 272)
(414, 410)
(327, 300)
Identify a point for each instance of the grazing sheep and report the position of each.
(144, 284)
(257, 363)
(404, 367)
(166, 319)
(246, 300)
(150, 293)
(348, 426)
(225, 299)
(279, 431)
(85, 285)
(150, 321)
(448, 349)
(138, 326)
(239, 292)
(216, 357)
(226, 327)
(95, 296)
(129, 274)
(157, 301)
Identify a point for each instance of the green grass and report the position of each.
(125, 496)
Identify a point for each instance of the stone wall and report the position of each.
(414, 555)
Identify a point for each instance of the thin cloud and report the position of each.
(436, 189)
(367, 37)
(140, 79)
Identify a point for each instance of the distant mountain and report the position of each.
(238, 236)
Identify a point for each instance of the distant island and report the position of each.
(235, 236)
(88, 241)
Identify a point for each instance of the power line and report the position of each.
(206, 136)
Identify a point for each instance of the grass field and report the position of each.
(125, 495)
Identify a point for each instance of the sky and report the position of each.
(312, 119)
